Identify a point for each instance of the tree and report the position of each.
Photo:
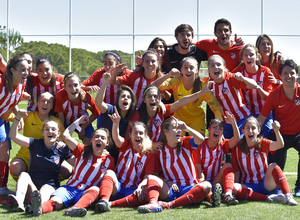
(14, 41)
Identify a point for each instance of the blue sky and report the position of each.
(155, 17)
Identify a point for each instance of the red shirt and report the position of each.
(231, 56)
(179, 169)
(251, 96)
(211, 158)
(132, 166)
(111, 90)
(38, 88)
(89, 172)
(9, 100)
(252, 167)
(286, 111)
(137, 83)
(71, 111)
(229, 95)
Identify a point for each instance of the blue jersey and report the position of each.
(45, 163)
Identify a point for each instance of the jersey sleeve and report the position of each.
(213, 104)
(126, 144)
(91, 101)
(94, 79)
(168, 114)
(196, 155)
(265, 143)
(59, 101)
(77, 152)
(268, 106)
(128, 79)
(268, 86)
(170, 84)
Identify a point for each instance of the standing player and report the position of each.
(12, 84)
(285, 102)
(222, 46)
(184, 35)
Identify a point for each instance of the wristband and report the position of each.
(77, 126)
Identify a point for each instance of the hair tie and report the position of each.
(112, 54)
(151, 87)
(19, 60)
(69, 76)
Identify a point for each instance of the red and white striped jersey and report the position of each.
(229, 95)
(179, 169)
(251, 96)
(111, 90)
(89, 172)
(137, 83)
(71, 111)
(38, 88)
(211, 158)
(132, 166)
(9, 100)
(252, 167)
(155, 122)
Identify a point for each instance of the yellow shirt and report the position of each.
(192, 111)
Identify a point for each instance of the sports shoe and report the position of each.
(164, 205)
(297, 191)
(102, 206)
(75, 212)
(36, 203)
(216, 196)
(276, 198)
(289, 199)
(14, 203)
(149, 208)
(230, 199)
(4, 191)
(29, 209)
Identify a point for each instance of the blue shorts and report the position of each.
(68, 194)
(4, 132)
(174, 195)
(267, 126)
(228, 132)
(122, 192)
(260, 188)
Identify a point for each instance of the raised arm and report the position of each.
(236, 132)
(160, 80)
(190, 98)
(198, 137)
(261, 119)
(120, 67)
(101, 105)
(275, 145)
(67, 135)
(118, 139)
(250, 83)
(14, 135)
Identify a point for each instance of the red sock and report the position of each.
(128, 201)
(153, 190)
(106, 187)
(87, 199)
(194, 195)
(5, 179)
(248, 194)
(208, 197)
(48, 206)
(3, 165)
(228, 179)
(280, 180)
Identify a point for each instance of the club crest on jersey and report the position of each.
(157, 122)
(81, 112)
(139, 165)
(56, 159)
(103, 168)
(297, 102)
(233, 55)
(256, 154)
(18, 96)
(259, 83)
(225, 90)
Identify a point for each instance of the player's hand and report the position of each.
(157, 145)
(115, 117)
(106, 77)
(276, 126)
(21, 113)
(238, 40)
(60, 144)
(174, 73)
(93, 88)
(230, 117)
(141, 192)
(173, 186)
(83, 119)
(238, 76)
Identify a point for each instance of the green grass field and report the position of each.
(244, 210)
